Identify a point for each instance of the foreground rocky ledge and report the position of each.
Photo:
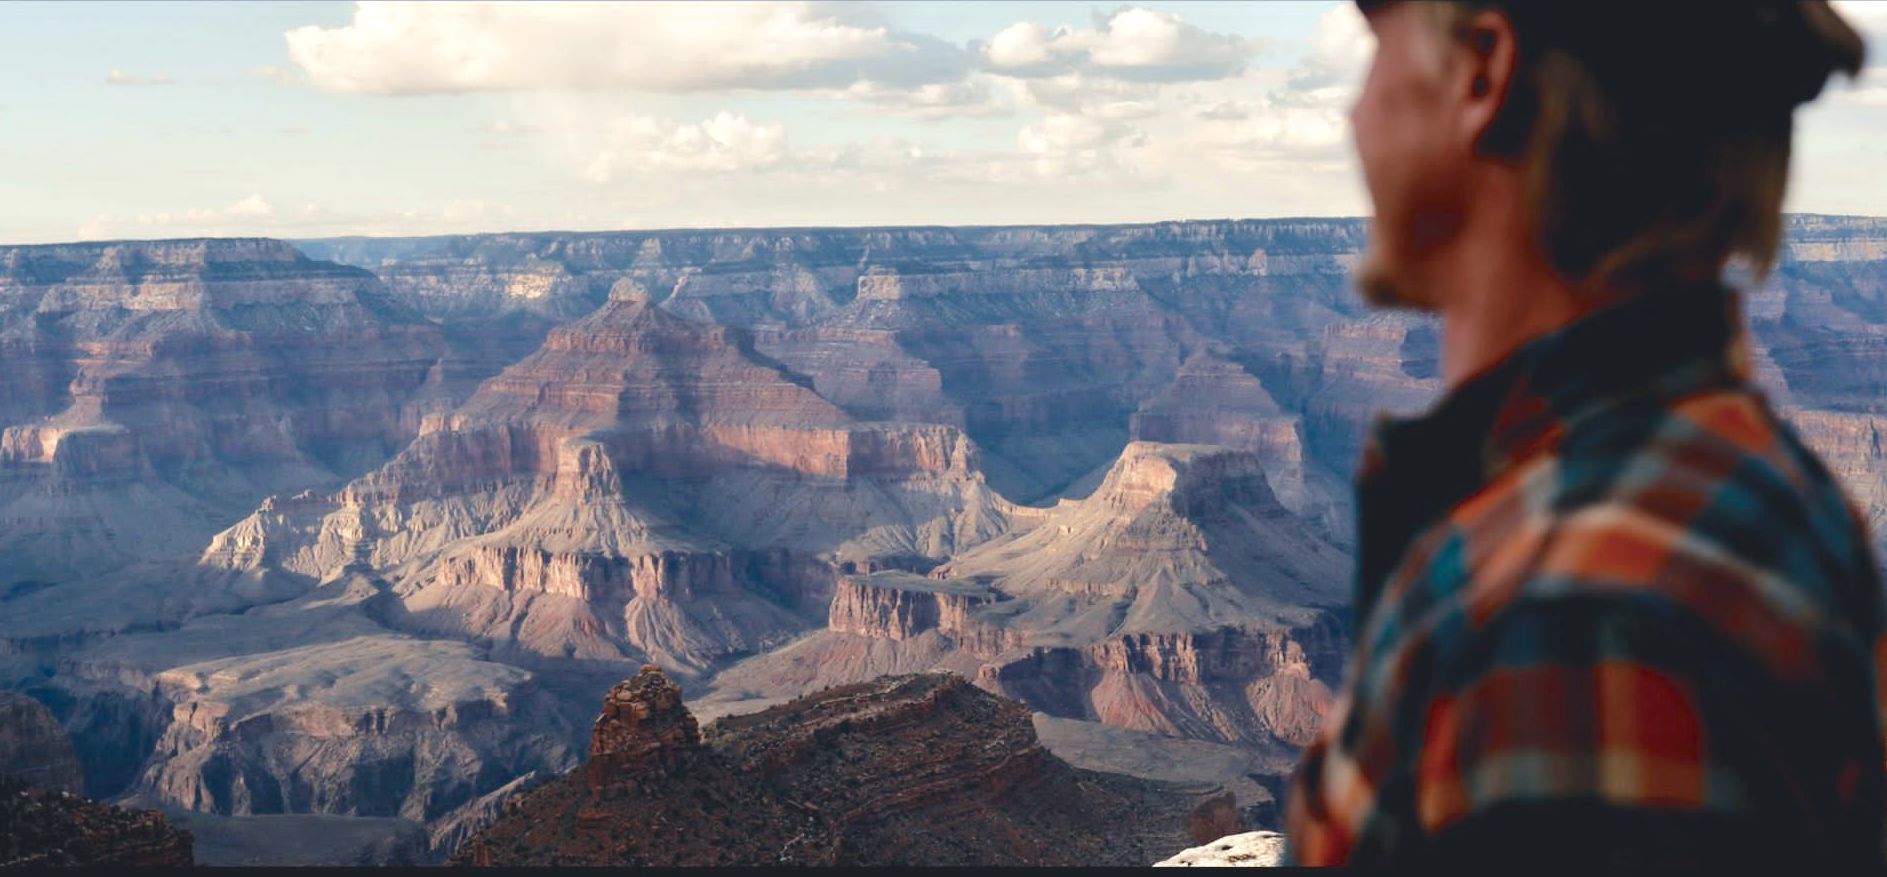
(922, 769)
(1253, 849)
(40, 828)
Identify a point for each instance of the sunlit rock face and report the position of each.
(643, 487)
(1251, 849)
(1179, 598)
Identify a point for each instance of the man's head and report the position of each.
(1644, 144)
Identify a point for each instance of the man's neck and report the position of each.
(1500, 293)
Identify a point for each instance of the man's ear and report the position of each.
(1490, 50)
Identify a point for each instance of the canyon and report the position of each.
(346, 537)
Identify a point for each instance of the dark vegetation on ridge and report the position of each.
(903, 770)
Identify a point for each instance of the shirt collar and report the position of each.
(1415, 469)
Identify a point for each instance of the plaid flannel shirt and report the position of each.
(1611, 612)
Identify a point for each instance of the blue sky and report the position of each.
(306, 119)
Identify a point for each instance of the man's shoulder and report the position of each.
(1715, 474)
(1720, 436)
(1704, 512)
(1710, 507)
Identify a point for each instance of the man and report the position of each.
(1611, 614)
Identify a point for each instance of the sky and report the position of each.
(315, 119)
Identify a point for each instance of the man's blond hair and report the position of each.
(1638, 199)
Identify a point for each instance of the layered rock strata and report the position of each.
(752, 434)
(642, 488)
(1039, 342)
(644, 731)
(316, 705)
(1179, 598)
(157, 390)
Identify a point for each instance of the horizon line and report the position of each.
(767, 228)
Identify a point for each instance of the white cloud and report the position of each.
(1340, 49)
(889, 158)
(1248, 124)
(726, 143)
(119, 77)
(1065, 144)
(464, 210)
(1305, 117)
(1305, 131)
(1022, 44)
(277, 75)
(1132, 43)
(973, 97)
(195, 221)
(254, 205)
(1145, 38)
(1077, 92)
(1868, 90)
(1064, 133)
(254, 216)
(432, 48)
(1224, 111)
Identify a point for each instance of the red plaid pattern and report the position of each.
(1610, 612)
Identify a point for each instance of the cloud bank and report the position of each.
(1132, 43)
(407, 48)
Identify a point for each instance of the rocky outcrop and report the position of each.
(34, 748)
(1252, 849)
(909, 770)
(43, 828)
(644, 732)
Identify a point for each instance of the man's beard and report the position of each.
(1377, 282)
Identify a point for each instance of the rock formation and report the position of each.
(642, 488)
(157, 390)
(908, 770)
(310, 706)
(1039, 342)
(34, 748)
(1180, 597)
(42, 828)
(644, 732)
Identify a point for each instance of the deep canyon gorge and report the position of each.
(343, 541)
